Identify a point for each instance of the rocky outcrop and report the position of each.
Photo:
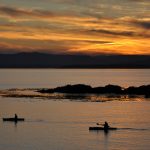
(108, 89)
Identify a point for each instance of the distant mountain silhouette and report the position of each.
(42, 60)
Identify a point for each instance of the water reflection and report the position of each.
(64, 125)
(104, 138)
(33, 94)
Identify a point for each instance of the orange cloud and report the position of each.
(37, 30)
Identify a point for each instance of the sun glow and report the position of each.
(80, 30)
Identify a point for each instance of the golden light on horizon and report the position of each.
(80, 30)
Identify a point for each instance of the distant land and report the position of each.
(44, 60)
(108, 89)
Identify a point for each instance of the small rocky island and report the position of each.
(108, 89)
(83, 92)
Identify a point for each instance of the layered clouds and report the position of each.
(75, 26)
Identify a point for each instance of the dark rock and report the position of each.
(108, 89)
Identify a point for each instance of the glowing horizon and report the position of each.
(75, 26)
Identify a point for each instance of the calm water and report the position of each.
(37, 78)
(63, 125)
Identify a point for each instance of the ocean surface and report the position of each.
(52, 124)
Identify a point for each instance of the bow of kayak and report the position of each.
(13, 119)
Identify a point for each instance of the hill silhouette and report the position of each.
(43, 60)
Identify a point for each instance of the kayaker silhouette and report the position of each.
(16, 117)
(106, 126)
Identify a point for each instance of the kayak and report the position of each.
(13, 119)
(102, 128)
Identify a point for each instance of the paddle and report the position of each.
(100, 124)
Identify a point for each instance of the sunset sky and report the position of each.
(75, 26)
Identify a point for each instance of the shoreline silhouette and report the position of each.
(82, 92)
(108, 89)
